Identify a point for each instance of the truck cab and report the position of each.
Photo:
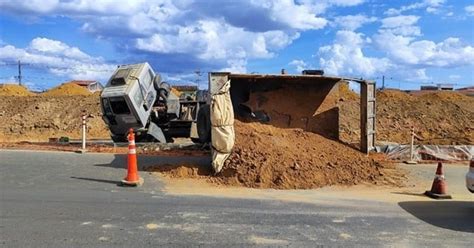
(134, 97)
(128, 98)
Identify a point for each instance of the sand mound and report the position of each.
(14, 90)
(393, 95)
(443, 118)
(270, 157)
(36, 118)
(345, 93)
(444, 96)
(68, 89)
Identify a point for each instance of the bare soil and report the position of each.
(39, 117)
(443, 118)
(14, 90)
(270, 157)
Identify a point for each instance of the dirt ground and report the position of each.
(39, 117)
(270, 157)
(443, 118)
(27, 116)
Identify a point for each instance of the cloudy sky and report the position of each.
(408, 42)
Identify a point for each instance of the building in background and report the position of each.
(437, 87)
(91, 85)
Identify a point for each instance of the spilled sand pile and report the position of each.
(270, 157)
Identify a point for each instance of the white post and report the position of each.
(411, 143)
(412, 149)
(83, 150)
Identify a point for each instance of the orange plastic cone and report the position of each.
(132, 178)
(439, 188)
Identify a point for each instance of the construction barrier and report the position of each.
(132, 178)
(428, 152)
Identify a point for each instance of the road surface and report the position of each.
(59, 199)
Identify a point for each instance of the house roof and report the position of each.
(83, 82)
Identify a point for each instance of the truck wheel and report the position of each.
(204, 123)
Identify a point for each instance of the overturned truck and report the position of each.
(308, 101)
(136, 98)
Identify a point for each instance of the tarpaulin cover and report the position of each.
(428, 152)
(222, 130)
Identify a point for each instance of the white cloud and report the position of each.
(213, 34)
(397, 38)
(58, 58)
(300, 65)
(399, 21)
(402, 25)
(454, 77)
(353, 22)
(400, 52)
(236, 66)
(469, 9)
(346, 57)
(431, 6)
(204, 40)
(298, 16)
(425, 53)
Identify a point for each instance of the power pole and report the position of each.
(198, 77)
(383, 82)
(19, 72)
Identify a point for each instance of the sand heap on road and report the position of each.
(269, 157)
(443, 118)
(265, 156)
(14, 90)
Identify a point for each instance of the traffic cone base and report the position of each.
(439, 186)
(438, 196)
(136, 183)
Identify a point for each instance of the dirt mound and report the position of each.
(393, 95)
(265, 156)
(345, 93)
(443, 118)
(14, 90)
(68, 89)
(36, 118)
(444, 96)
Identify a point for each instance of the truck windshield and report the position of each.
(119, 106)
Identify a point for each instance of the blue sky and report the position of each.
(411, 43)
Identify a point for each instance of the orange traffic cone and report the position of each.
(439, 187)
(132, 178)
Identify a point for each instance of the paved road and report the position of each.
(52, 199)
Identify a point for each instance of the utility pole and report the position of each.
(198, 77)
(19, 72)
(383, 81)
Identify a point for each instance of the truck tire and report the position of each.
(204, 123)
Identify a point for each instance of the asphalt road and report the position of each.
(53, 199)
